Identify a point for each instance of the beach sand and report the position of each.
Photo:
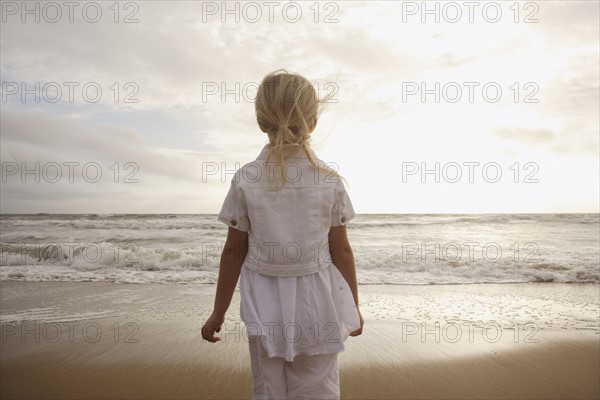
(107, 340)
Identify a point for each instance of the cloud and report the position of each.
(172, 54)
(561, 142)
(538, 136)
(133, 175)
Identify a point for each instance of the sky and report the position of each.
(443, 107)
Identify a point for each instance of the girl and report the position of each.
(286, 213)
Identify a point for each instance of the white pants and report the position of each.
(307, 377)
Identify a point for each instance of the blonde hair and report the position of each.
(287, 109)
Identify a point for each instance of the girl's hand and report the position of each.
(362, 322)
(212, 325)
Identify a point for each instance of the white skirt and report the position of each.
(311, 314)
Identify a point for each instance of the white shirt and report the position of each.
(293, 299)
(287, 230)
(294, 302)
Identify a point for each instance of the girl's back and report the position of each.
(289, 227)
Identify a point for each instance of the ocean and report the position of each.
(395, 249)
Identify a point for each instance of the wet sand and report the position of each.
(106, 340)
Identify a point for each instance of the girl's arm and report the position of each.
(232, 259)
(343, 258)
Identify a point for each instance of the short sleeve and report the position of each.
(342, 211)
(234, 212)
